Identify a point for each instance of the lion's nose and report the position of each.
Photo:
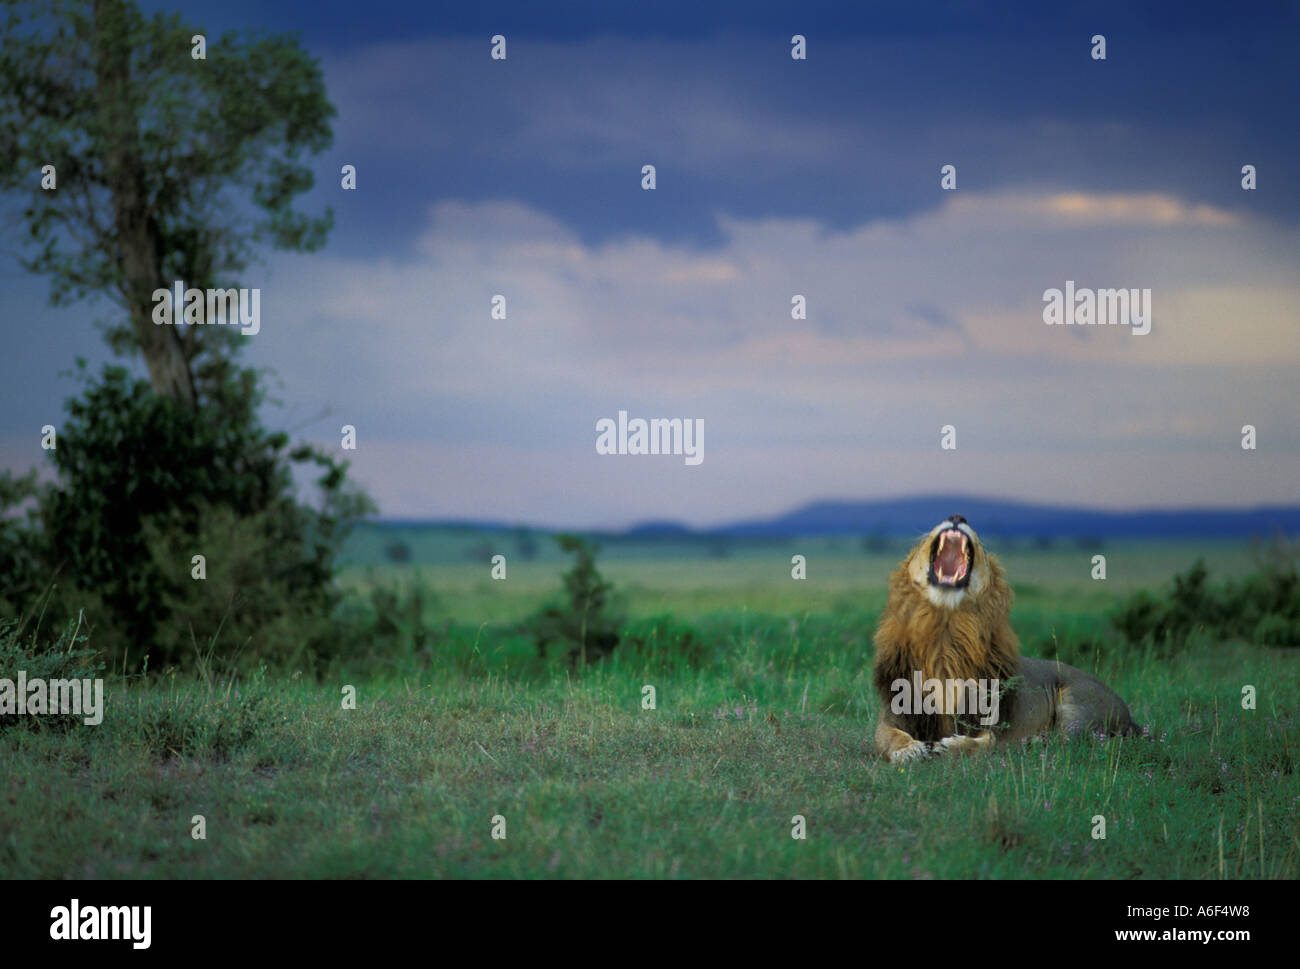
(957, 519)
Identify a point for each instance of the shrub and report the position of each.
(61, 658)
(666, 639)
(398, 552)
(143, 485)
(1263, 608)
(248, 609)
(212, 723)
(388, 627)
(588, 624)
(1277, 631)
(1075, 648)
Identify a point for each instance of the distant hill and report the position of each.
(907, 517)
(910, 516)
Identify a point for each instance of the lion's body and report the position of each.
(962, 633)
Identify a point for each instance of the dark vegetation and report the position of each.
(587, 625)
(1262, 608)
(143, 486)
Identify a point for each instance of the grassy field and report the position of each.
(763, 710)
(693, 577)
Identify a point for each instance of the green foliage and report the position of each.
(168, 168)
(398, 552)
(1140, 614)
(389, 627)
(217, 143)
(1084, 650)
(588, 624)
(144, 485)
(64, 657)
(20, 552)
(668, 642)
(703, 786)
(1275, 630)
(758, 707)
(525, 544)
(876, 543)
(1263, 608)
(212, 723)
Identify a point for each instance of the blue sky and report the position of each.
(776, 177)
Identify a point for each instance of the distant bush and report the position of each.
(1277, 631)
(1263, 608)
(587, 626)
(876, 543)
(1077, 649)
(666, 638)
(398, 552)
(392, 627)
(480, 552)
(525, 544)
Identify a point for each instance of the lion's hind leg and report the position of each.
(1087, 705)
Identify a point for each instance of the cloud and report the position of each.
(779, 178)
(1114, 208)
(858, 131)
(913, 323)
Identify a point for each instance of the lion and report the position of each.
(945, 649)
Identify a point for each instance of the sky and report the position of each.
(775, 177)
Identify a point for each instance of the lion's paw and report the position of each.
(958, 744)
(913, 751)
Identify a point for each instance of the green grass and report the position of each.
(684, 577)
(767, 715)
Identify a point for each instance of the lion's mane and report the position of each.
(972, 641)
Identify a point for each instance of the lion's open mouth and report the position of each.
(950, 559)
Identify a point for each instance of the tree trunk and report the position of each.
(139, 241)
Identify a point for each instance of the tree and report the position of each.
(166, 167)
(590, 622)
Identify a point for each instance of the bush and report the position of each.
(143, 485)
(62, 658)
(398, 552)
(588, 625)
(665, 639)
(248, 605)
(1277, 631)
(1263, 608)
(390, 627)
(1074, 648)
(217, 724)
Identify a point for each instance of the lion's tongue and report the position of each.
(951, 560)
